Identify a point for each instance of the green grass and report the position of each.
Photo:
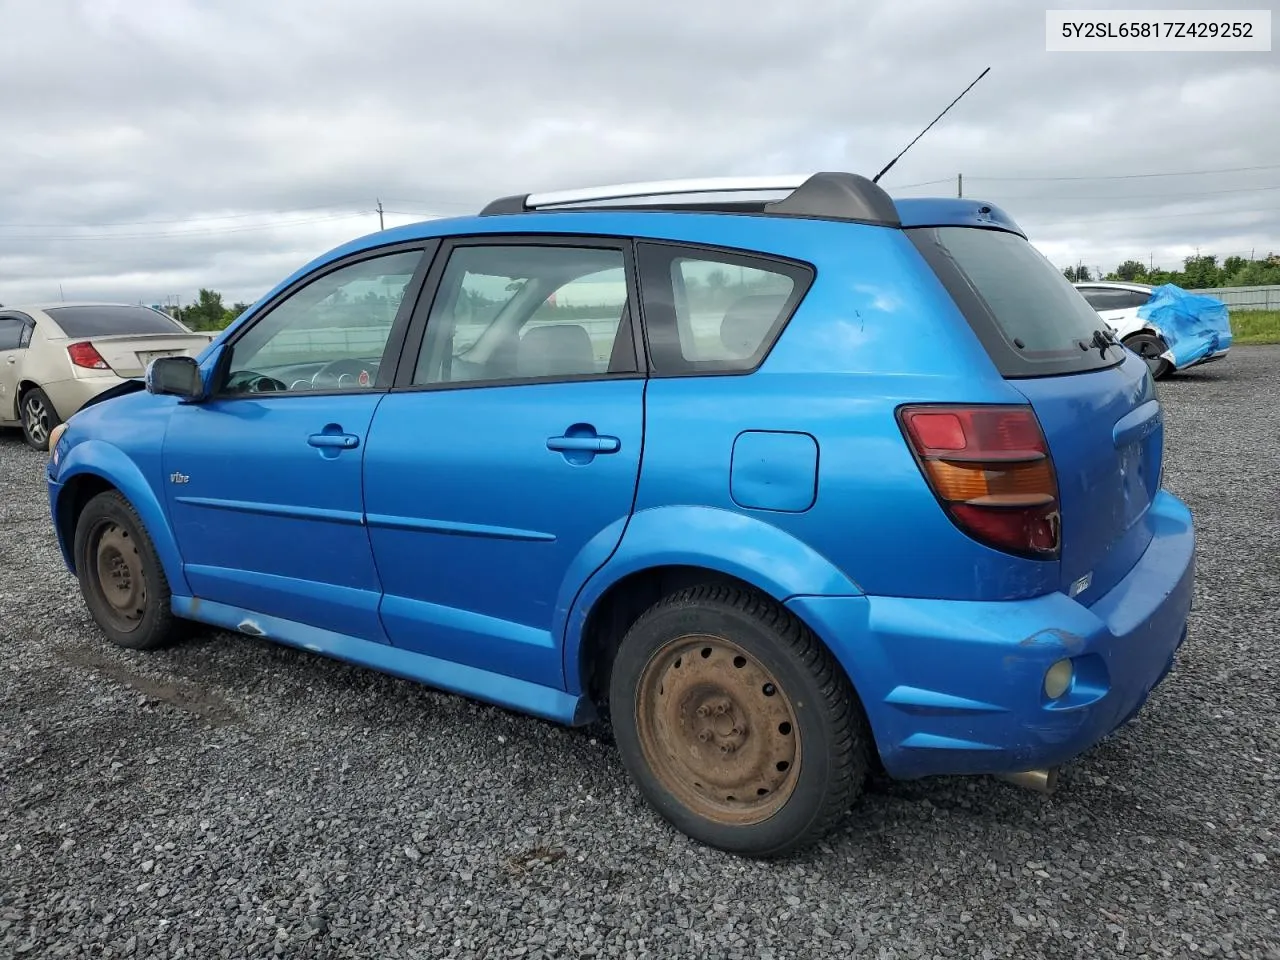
(1255, 326)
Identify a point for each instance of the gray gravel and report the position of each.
(229, 798)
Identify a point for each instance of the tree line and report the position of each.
(208, 312)
(1197, 273)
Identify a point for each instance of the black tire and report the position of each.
(121, 579)
(1150, 348)
(832, 743)
(38, 418)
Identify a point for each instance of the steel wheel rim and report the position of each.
(37, 417)
(117, 571)
(718, 730)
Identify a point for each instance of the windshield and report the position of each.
(1030, 318)
(112, 321)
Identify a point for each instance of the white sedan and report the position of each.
(55, 357)
(1117, 302)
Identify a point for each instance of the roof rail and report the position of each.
(830, 196)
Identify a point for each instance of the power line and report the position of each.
(227, 216)
(1158, 216)
(171, 235)
(1149, 196)
(1139, 176)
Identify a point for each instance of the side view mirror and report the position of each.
(175, 376)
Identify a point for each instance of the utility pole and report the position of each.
(959, 184)
(380, 224)
(61, 296)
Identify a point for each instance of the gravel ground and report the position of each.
(229, 798)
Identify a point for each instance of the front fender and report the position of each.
(100, 459)
(735, 544)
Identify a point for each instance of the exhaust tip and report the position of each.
(1041, 781)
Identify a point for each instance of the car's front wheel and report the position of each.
(736, 722)
(38, 418)
(1151, 348)
(120, 575)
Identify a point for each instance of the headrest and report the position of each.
(559, 350)
(747, 322)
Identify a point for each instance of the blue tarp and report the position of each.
(1192, 325)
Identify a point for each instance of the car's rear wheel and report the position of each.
(737, 724)
(1151, 349)
(120, 575)
(38, 418)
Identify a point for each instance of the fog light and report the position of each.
(1057, 679)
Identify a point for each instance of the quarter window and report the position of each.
(329, 335)
(708, 312)
(10, 333)
(518, 312)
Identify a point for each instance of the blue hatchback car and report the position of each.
(791, 487)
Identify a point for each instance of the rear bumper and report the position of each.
(68, 396)
(956, 687)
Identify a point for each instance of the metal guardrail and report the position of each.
(1245, 298)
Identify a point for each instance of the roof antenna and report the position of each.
(876, 178)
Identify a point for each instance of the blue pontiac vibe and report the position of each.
(785, 478)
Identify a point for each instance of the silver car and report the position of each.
(55, 357)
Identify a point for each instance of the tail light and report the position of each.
(990, 467)
(86, 355)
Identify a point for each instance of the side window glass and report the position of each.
(329, 335)
(1136, 298)
(707, 313)
(24, 338)
(10, 333)
(1094, 298)
(516, 312)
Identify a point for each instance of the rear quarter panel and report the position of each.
(875, 331)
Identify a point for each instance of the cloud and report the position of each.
(156, 146)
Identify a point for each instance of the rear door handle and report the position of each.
(343, 441)
(586, 444)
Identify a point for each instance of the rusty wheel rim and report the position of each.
(118, 569)
(718, 730)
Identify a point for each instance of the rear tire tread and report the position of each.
(851, 733)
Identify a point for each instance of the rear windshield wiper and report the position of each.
(1102, 338)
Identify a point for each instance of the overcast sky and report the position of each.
(151, 147)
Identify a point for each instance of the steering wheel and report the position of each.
(249, 381)
(361, 373)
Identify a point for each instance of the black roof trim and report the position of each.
(840, 196)
(504, 205)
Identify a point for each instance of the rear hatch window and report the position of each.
(1030, 319)
(112, 321)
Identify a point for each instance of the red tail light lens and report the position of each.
(991, 468)
(85, 355)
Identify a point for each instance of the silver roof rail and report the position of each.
(666, 188)
(831, 196)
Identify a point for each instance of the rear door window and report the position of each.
(1029, 317)
(112, 321)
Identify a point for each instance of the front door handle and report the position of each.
(11, 359)
(585, 444)
(343, 441)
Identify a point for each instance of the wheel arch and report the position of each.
(25, 386)
(668, 548)
(92, 467)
